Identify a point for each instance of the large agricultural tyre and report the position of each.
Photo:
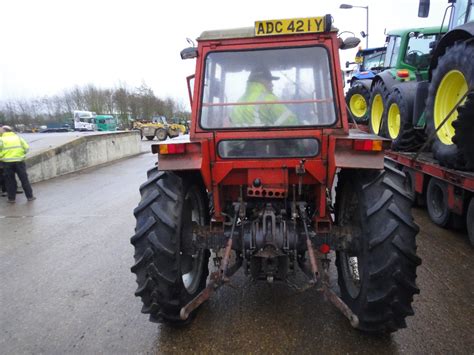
(377, 274)
(173, 133)
(170, 273)
(451, 79)
(470, 221)
(398, 120)
(377, 106)
(464, 131)
(437, 202)
(161, 134)
(357, 99)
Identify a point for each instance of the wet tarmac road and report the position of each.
(66, 286)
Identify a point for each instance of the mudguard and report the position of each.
(460, 33)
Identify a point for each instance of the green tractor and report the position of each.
(439, 105)
(368, 62)
(407, 59)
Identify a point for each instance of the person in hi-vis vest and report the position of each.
(13, 150)
(260, 90)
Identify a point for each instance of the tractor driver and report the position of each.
(260, 89)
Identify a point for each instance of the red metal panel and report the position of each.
(425, 164)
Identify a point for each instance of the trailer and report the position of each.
(448, 194)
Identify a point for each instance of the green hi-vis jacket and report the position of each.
(13, 148)
(271, 114)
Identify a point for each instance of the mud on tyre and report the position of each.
(169, 271)
(377, 273)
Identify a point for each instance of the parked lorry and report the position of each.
(269, 182)
(439, 112)
(84, 121)
(106, 123)
(448, 194)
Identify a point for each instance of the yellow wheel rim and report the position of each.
(452, 87)
(393, 121)
(358, 105)
(376, 113)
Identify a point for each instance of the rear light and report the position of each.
(403, 73)
(324, 248)
(368, 145)
(172, 148)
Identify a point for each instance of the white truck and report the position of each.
(84, 121)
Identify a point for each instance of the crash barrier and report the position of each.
(83, 152)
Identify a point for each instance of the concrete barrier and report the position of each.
(81, 153)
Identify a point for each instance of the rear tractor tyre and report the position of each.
(437, 202)
(377, 273)
(451, 79)
(150, 138)
(161, 134)
(170, 272)
(357, 99)
(399, 126)
(377, 107)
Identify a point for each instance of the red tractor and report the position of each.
(272, 178)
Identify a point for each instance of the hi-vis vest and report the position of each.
(261, 114)
(13, 148)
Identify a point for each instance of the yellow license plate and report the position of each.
(289, 26)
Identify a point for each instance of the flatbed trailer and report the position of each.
(448, 194)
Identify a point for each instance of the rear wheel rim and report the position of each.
(352, 273)
(393, 121)
(376, 113)
(451, 88)
(191, 264)
(358, 105)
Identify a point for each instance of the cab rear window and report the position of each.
(283, 87)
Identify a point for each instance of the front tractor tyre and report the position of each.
(357, 99)
(377, 271)
(170, 271)
(451, 79)
(399, 126)
(377, 107)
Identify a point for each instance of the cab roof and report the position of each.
(242, 32)
(406, 31)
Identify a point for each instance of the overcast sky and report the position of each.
(51, 45)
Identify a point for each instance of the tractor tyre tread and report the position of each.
(387, 289)
(378, 88)
(358, 89)
(409, 138)
(457, 57)
(464, 132)
(157, 249)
